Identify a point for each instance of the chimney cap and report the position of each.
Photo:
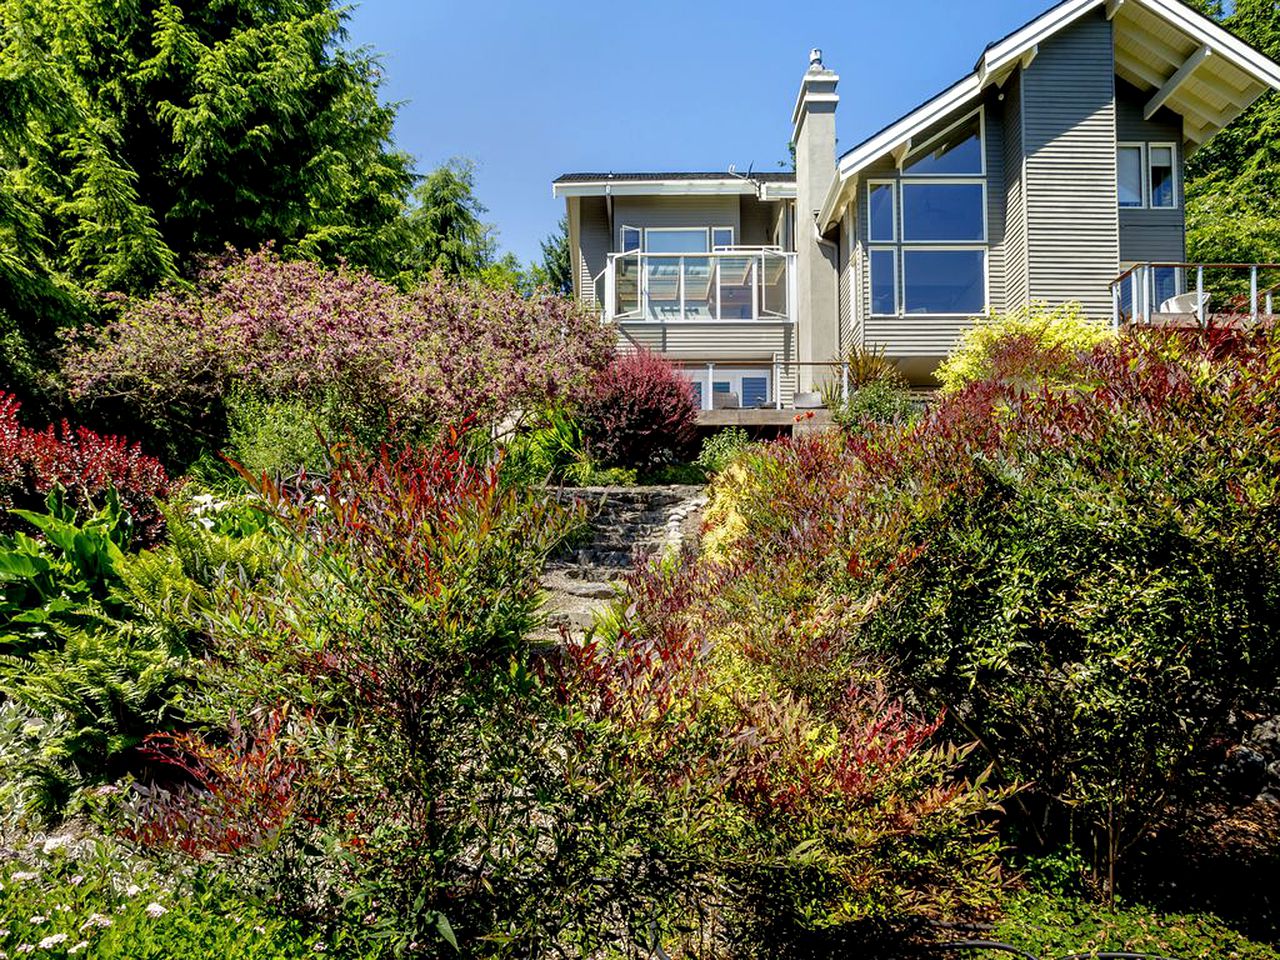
(815, 57)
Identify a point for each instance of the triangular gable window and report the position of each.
(957, 152)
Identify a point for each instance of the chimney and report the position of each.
(814, 136)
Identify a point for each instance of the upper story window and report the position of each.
(632, 239)
(928, 229)
(1147, 176)
(674, 239)
(956, 152)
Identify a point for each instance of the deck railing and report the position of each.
(734, 284)
(1202, 293)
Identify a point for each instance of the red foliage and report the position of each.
(240, 795)
(81, 462)
(640, 412)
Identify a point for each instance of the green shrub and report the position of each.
(1053, 926)
(1031, 345)
(65, 896)
(1085, 579)
(721, 448)
(878, 402)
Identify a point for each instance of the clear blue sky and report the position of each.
(530, 90)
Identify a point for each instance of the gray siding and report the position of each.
(1069, 138)
(695, 211)
(997, 255)
(593, 244)
(1015, 218)
(1150, 234)
(844, 297)
(757, 222)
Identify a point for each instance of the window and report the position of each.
(630, 239)
(884, 283)
(944, 281)
(675, 240)
(955, 152)
(944, 212)
(1161, 176)
(721, 237)
(1129, 180)
(749, 386)
(883, 223)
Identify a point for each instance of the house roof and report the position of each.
(1183, 59)
(767, 186)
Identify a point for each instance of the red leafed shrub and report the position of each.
(81, 462)
(239, 797)
(640, 412)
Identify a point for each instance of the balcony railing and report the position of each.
(1200, 294)
(739, 284)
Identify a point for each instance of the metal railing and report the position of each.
(730, 284)
(1206, 293)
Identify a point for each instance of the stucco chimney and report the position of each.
(814, 136)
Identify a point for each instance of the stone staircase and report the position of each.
(627, 524)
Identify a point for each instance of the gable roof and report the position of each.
(1187, 62)
(768, 186)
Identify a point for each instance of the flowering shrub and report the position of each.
(639, 412)
(297, 331)
(1030, 345)
(81, 463)
(1084, 577)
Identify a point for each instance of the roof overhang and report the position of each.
(729, 186)
(1185, 61)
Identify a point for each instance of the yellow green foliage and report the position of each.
(990, 348)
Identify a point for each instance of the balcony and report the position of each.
(732, 285)
(1196, 294)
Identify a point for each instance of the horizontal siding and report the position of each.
(593, 250)
(845, 279)
(696, 211)
(1150, 234)
(915, 336)
(1069, 138)
(710, 341)
(997, 292)
(757, 221)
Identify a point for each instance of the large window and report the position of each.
(745, 388)
(928, 230)
(1147, 176)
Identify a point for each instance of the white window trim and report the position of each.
(1143, 173)
(897, 291)
(942, 182)
(982, 148)
(948, 248)
(622, 243)
(734, 377)
(733, 238)
(1150, 185)
(893, 199)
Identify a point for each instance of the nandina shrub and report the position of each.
(1082, 573)
(639, 412)
(81, 463)
(298, 332)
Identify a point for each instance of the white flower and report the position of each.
(319, 948)
(132, 890)
(77, 880)
(51, 941)
(97, 920)
(22, 876)
(76, 948)
(26, 948)
(55, 843)
(154, 910)
(38, 919)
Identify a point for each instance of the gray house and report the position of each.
(1053, 172)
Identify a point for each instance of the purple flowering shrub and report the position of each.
(640, 412)
(437, 353)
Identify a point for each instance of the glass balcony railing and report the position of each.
(738, 284)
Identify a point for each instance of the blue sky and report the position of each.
(530, 90)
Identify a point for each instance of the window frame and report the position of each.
(1144, 174)
(947, 248)
(622, 239)
(893, 200)
(713, 246)
(1173, 171)
(871, 290)
(706, 233)
(946, 182)
(733, 376)
(981, 113)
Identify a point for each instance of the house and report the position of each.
(1052, 172)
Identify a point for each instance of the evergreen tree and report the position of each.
(556, 269)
